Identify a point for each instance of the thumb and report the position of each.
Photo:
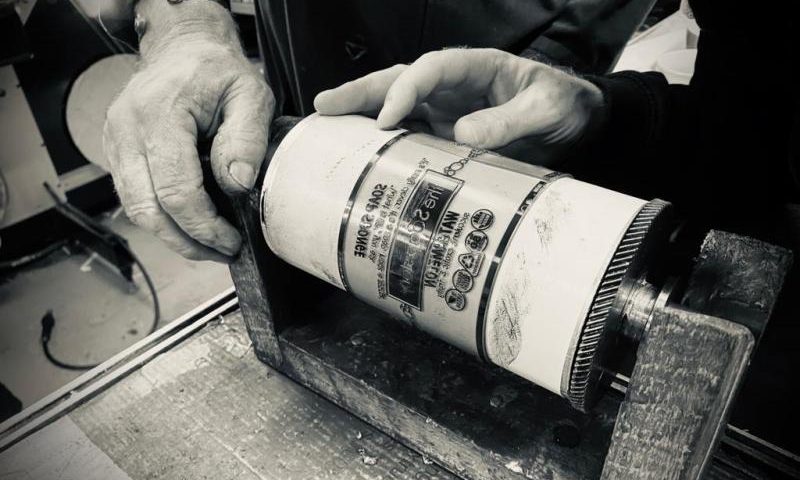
(498, 126)
(240, 143)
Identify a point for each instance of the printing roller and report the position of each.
(526, 268)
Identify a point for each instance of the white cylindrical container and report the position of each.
(511, 262)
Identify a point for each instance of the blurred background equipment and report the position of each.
(669, 46)
(89, 97)
(36, 141)
(13, 42)
(61, 65)
(72, 290)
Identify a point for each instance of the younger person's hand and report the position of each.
(482, 97)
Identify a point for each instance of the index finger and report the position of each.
(435, 71)
(364, 94)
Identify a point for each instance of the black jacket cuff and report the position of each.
(630, 127)
(634, 108)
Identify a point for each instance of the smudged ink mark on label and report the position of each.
(505, 337)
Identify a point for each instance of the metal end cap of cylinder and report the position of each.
(629, 261)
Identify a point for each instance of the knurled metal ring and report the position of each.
(582, 384)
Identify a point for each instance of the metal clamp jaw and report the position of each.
(695, 342)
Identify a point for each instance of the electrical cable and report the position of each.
(49, 321)
(295, 76)
(117, 41)
(114, 43)
(291, 80)
(32, 257)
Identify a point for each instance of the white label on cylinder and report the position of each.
(309, 179)
(423, 227)
(550, 275)
(497, 257)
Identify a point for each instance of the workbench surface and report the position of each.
(209, 408)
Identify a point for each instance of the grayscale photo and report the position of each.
(399, 240)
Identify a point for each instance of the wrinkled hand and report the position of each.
(194, 90)
(482, 97)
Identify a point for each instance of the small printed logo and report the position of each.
(482, 219)
(455, 299)
(463, 281)
(476, 241)
(471, 262)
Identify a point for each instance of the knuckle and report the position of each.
(108, 133)
(118, 114)
(431, 56)
(255, 83)
(269, 97)
(263, 93)
(246, 144)
(146, 215)
(504, 62)
(204, 232)
(496, 51)
(109, 140)
(398, 67)
(115, 114)
(261, 85)
(173, 197)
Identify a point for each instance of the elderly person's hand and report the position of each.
(482, 97)
(194, 84)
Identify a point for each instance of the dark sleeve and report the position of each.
(643, 119)
(719, 148)
(589, 34)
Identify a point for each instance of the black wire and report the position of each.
(153, 293)
(49, 321)
(32, 257)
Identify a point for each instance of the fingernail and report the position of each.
(465, 131)
(381, 121)
(319, 100)
(243, 174)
